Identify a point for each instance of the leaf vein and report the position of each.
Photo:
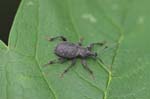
(36, 59)
(94, 86)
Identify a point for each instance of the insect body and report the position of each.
(66, 50)
(71, 51)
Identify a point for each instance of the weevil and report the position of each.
(66, 50)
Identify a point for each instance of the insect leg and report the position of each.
(84, 63)
(59, 60)
(98, 43)
(80, 41)
(58, 37)
(67, 69)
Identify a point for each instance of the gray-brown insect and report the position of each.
(71, 51)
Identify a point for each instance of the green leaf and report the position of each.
(124, 24)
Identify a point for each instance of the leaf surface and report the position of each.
(124, 24)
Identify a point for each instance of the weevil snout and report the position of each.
(94, 54)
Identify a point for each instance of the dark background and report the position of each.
(8, 9)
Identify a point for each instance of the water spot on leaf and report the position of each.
(30, 3)
(67, 29)
(23, 77)
(115, 6)
(140, 20)
(89, 17)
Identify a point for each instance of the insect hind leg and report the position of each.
(59, 60)
(58, 37)
(68, 68)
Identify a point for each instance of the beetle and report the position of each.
(66, 50)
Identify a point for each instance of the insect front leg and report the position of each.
(80, 41)
(98, 43)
